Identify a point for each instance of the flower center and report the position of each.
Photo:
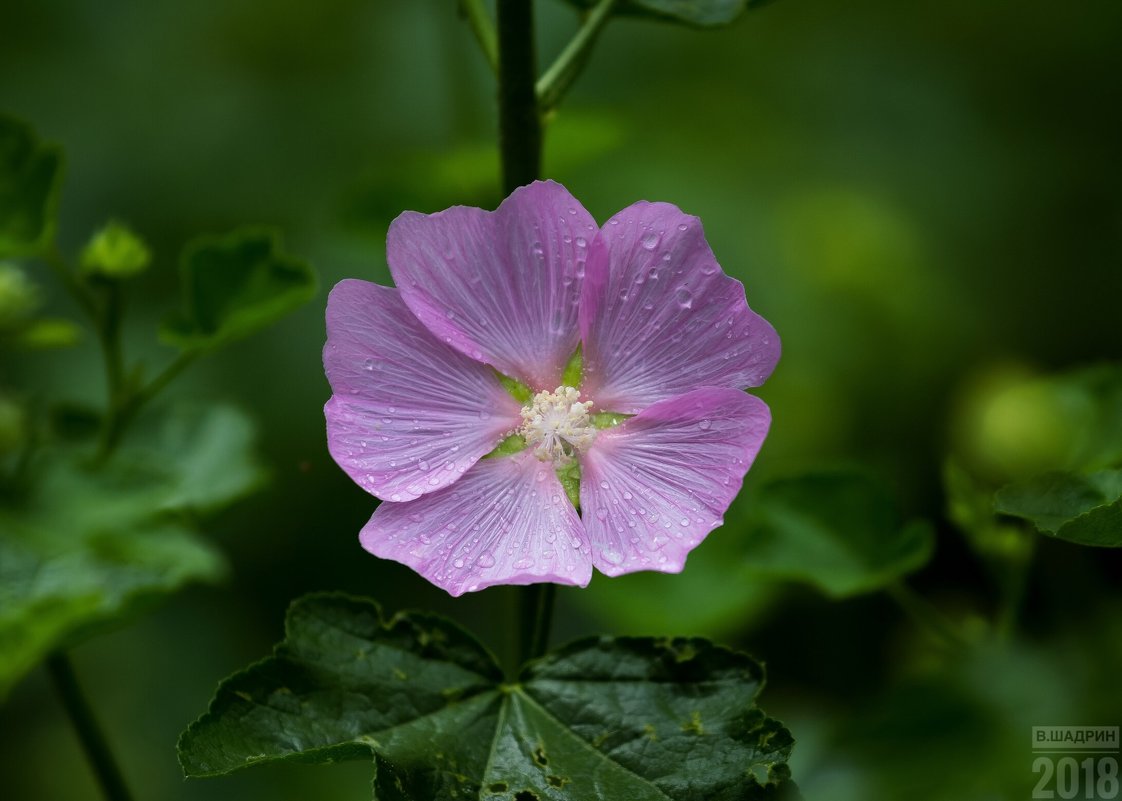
(557, 425)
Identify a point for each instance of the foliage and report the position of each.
(600, 719)
(235, 285)
(30, 175)
(84, 547)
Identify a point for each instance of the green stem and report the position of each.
(556, 80)
(1014, 585)
(520, 150)
(109, 335)
(536, 616)
(85, 725)
(483, 29)
(927, 616)
(122, 415)
(520, 127)
(54, 259)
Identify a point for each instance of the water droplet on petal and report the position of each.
(612, 557)
(650, 240)
(704, 425)
(684, 297)
(485, 559)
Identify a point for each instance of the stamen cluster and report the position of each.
(557, 425)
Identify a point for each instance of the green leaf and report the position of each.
(81, 549)
(837, 530)
(234, 285)
(696, 13)
(212, 451)
(1085, 509)
(1101, 386)
(46, 333)
(629, 718)
(54, 597)
(30, 177)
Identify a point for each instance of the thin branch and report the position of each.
(89, 733)
(483, 29)
(556, 80)
(928, 616)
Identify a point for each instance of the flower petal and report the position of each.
(653, 487)
(507, 521)
(658, 317)
(409, 415)
(502, 286)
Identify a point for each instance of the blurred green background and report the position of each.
(922, 197)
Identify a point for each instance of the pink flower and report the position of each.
(418, 403)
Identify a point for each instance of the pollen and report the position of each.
(557, 425)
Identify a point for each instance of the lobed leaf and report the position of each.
(30, 179)
(1080, 508)
(631, 718)
(234, 285)
(837, 530)
(82, 549)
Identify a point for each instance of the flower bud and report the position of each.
(115, 252)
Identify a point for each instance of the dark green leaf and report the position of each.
(54, 596)
(1101, 386)
(30, 176)
(839, 531)
(697, 13)
(1086, 509)
(235, 285)
(603, 719)
(82, 548)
